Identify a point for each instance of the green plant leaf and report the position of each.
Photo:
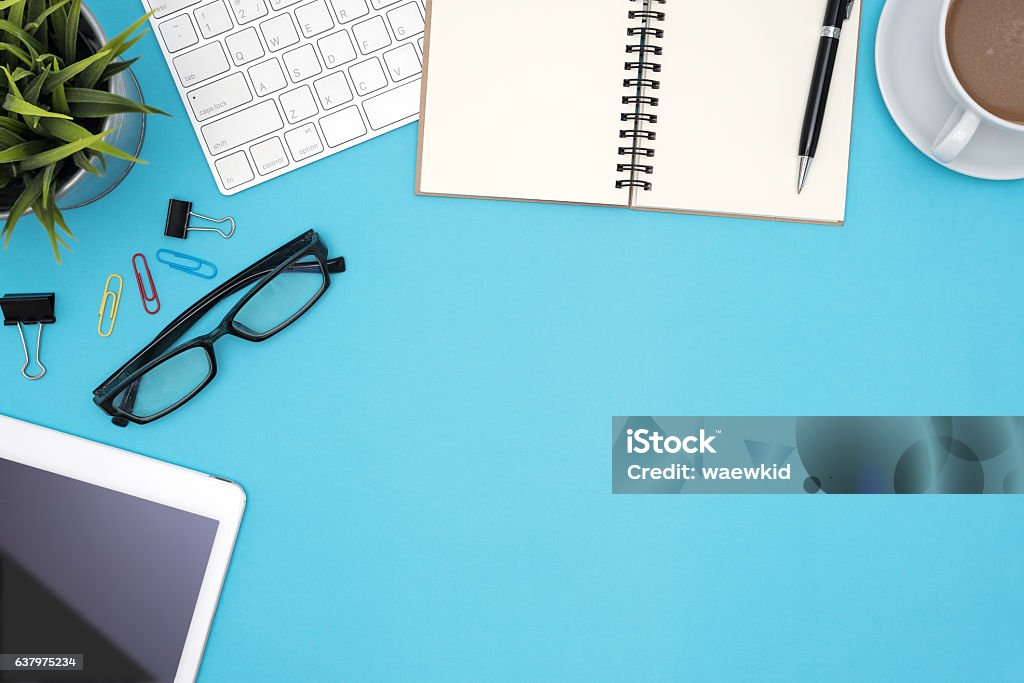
(30, 195)
(59, 21)
(72, 132)
(117, 67)
(82, 161)
(70, 71)
(48, 59)
(58, 217)
(56, 154)
(36, 86)
(23, 151)
(5, 4)
(88, 103)
(117, 46)
(35, 8)
(46, 217)
(14, 126)
(17, 52)
(123, 35)
(13, 78)
(17, 105)
(17, 13)
(48, 175)
(71, 30)
(37, 23)
(20, 34)
(128, 44)
(94, 74)
(60, 101)
(9, 139)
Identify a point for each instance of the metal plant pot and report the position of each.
(129, 130)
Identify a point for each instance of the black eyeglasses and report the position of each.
(167, 374)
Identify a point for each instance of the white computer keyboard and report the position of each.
(274, 85)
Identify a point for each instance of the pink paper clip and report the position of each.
(146, 298)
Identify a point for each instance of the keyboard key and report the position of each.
(406, 21)
(368, 76)
(219, 96)
(200, 64)
(302, 63)
(213, 19)
(401, 103)
(279, 32)
(299, 104)
(347, 10)
(269, 156)
(234, 170)
(242, 127)
(314, 18)
(402, 62)
(333, 90)
(161, 8)
(278, 4)
(245, 46)
(248, 10)
(178, 33)
(268, 77)
(336, 49)
(371, 35)
(343, 126)
(378, 4)
(304, 142)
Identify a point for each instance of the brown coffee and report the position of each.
(986, 47)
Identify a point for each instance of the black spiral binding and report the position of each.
(639, 84)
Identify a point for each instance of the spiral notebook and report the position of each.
(691, 106)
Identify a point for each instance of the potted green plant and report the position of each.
(73, 118)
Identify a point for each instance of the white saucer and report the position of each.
(919, 103)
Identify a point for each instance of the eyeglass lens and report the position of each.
(281, 299)
(275, 305)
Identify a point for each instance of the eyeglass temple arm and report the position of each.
(176, 329)
(204, 305)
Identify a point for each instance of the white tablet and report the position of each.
(111, 564)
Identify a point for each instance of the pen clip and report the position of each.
(849, 8)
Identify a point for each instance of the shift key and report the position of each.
(245, 126)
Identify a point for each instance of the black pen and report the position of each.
(836, 12)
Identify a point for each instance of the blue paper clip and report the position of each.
(187, 264)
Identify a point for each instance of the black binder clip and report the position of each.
(29, 309)
(178, 214)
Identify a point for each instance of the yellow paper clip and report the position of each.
(108, 293)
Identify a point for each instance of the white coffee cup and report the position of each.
(964, 121)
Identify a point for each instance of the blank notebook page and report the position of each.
(523, 100)
(733, 90)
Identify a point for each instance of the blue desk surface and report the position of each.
(427, 453)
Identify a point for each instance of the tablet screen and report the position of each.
(89, 571)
